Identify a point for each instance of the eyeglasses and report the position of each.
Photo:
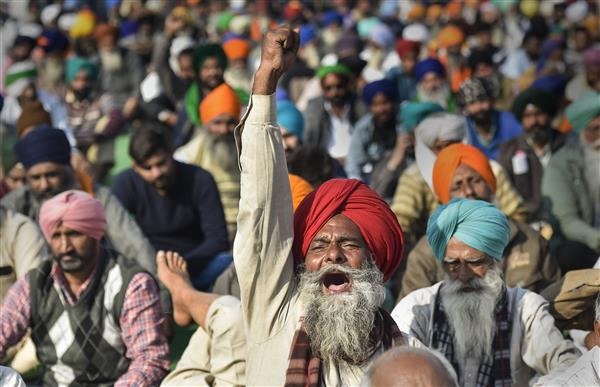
(474, 264)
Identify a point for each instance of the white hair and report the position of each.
(471, 314)
(339, 325)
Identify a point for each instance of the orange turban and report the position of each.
(103, 30)
(221, 100)
(450, 36)
(300, 189)
(416, 13)
(371, 214)
(454, 9)
(236, 49)
(450, 158)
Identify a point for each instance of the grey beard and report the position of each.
(339, 325)
(111, 60)
(224, 152)
(439, 96)
(471, 314)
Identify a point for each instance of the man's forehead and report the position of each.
(340, 224)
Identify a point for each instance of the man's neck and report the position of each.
(338, 109)
(76, 280)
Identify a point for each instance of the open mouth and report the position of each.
(336, 283)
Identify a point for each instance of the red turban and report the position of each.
(404, 47)
(450, 158)
(76, 210)
(353, 199)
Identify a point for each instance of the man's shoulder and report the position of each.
(15, 199)
(189, 173)
(419, 297)
(586, 371)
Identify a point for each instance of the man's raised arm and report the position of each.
(263, 245)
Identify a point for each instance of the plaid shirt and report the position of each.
(140, 321)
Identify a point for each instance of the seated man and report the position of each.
(432, 84)
(410, 367)
(585, 372)
(462, 171)
(94, 315)
(176, 205)
(213, 148)
(46, 155)
(414, 200)
(319, 323)
(216, 353)
(22, 248)
(374, 135)
(488, 127)
(492, 334)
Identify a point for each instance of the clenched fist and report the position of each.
(278, 52)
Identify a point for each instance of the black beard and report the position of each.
(482, 118)
(72, 266)
(540, 135)
(81, 94)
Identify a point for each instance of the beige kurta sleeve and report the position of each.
(22, 247)
(263, 245)
(543, 347)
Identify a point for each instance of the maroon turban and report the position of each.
(353, 199)
(77, 210)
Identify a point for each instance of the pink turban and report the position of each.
(353, 199)
(76, 210)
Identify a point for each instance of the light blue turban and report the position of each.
(476, 223)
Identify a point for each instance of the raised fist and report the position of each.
(279, 48)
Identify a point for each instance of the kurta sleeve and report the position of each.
(263, 245)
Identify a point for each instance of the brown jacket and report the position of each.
(527, 263)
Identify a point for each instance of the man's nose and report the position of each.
(335, 254)
(465, 274)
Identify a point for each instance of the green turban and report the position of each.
(77, 64)
(581, 112)
(209, 50)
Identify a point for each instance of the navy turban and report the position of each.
(476, 223)
(429, 65)
(384, 86)
(43, 144)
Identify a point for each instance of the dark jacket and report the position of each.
(528, 184)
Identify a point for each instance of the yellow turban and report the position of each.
(84, 24)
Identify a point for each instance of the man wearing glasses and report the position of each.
(492, 334)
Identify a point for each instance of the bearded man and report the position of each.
(94, 315)
(463, 171)
(312, 285)
(213, 148)
(432, 84)
(487, 127)
(492, 334)
(525, 157)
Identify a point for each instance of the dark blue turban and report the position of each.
(43, 144)
(429, 65)
(384, 86)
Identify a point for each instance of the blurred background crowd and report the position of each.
(379, 89)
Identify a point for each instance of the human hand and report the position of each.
(173, 24)
(278, 53)
(404, 142)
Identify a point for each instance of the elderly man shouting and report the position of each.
(311, 285)
(493, 335)
(95, 316)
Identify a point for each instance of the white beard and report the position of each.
(471, 314)
(439, 96)
(111, 60)
(339, 325)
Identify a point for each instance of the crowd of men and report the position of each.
(342, 192)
